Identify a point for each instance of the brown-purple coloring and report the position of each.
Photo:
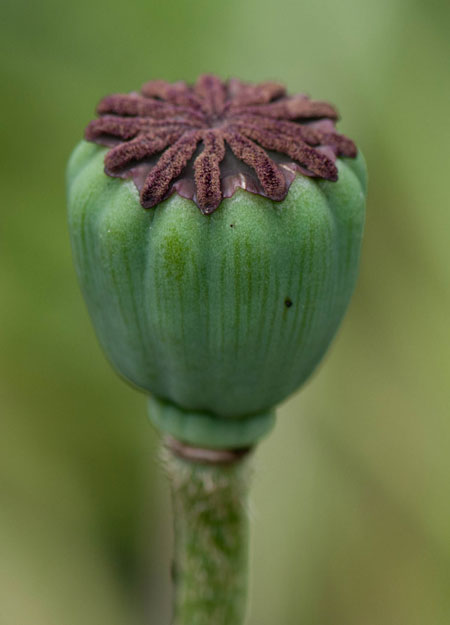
(206, 140)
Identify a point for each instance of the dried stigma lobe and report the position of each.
(206, 140)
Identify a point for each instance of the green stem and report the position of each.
(211, 539)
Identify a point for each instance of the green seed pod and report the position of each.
(218, 313)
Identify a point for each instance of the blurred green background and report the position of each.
(351, 496)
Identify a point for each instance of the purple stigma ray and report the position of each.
(207, 140)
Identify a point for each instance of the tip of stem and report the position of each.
(203, 455)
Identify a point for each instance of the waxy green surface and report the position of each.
(224, 314)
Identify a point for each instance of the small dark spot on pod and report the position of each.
(231, 225)
(287, 302)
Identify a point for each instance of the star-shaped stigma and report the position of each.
(206, 140)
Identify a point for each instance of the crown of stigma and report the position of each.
(206, 140)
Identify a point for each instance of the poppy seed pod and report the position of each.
(216, 232)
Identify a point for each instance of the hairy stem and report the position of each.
(211, 539)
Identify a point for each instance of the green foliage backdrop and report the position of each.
(351, 505)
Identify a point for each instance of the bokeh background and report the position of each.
(351, 495)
